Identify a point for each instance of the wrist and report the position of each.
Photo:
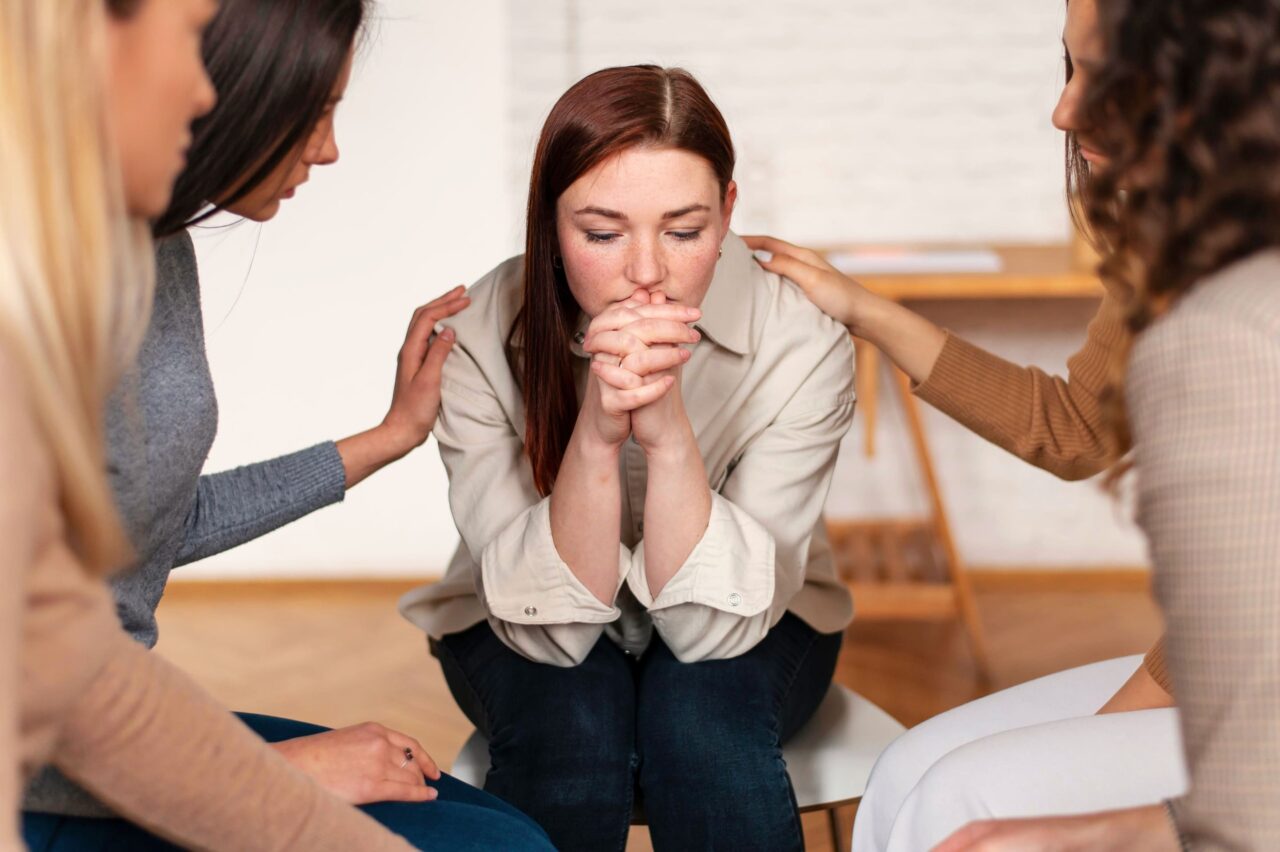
(395, 440)
(871, 319)
(594, 448)
(674, 448)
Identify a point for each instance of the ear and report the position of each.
(726, 210)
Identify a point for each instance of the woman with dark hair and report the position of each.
(1184, 95)
(279, 67)
(1056, 424)
(640, 428)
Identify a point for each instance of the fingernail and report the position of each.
(448, 334)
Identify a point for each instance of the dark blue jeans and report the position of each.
(462, 818)
(698, 744)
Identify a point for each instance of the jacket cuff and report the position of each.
(730, 569)
(523, 580)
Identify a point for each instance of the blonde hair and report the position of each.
(76, 276)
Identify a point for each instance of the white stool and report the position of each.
(829, 760)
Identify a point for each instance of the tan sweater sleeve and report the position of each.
(148, 742)
(1157, 668)
(1054, 424)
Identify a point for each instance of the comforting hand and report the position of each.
(415, 402)
(1145, 829)
(838, 295)
(364, 763)
(635, 355)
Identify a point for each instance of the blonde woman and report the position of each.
(96, 97)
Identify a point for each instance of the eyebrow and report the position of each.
(622, 217)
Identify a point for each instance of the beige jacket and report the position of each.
(769, 391)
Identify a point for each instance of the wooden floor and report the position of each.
(338, 654)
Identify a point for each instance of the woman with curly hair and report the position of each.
(1189, 204)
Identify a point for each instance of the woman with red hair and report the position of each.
(640, 425)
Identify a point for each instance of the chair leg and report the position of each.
(833, 820)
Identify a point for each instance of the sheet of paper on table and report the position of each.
(889, 261)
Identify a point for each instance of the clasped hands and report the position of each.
(636, 357)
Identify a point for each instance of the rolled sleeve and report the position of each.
(730, 568)
(537, 606)
(524, 580)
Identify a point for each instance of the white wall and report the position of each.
(303, 344)
(856, 120)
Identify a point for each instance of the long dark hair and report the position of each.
(602, 115)
(1188, 98)
(274, 64)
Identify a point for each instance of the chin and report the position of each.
(264, 214)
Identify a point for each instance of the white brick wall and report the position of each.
(876, 120)
(866, 119)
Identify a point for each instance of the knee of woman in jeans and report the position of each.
(589, 749)
(697, 744)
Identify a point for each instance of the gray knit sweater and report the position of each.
(160, 426)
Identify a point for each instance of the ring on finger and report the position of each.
(408, 758)
(608, 358)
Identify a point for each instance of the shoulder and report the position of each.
(1227, 310)
(789, 326)
(176, 258)
(478, 362)
(495, 300)
(1219, 343)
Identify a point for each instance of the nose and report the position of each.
(646, 266)
(1066, 115)
(323, 150)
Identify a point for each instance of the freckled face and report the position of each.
(647, 218)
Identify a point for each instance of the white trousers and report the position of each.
(1036, 749)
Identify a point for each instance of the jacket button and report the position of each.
(735, 599)
(531, 611)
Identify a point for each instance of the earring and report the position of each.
(721, 252)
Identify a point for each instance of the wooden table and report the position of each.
(1027, 272)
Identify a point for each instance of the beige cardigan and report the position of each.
(1203, 392)
(77, 692)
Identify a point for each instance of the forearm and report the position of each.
(239, 505)
(586, 514)
(159, 751)
(912, 342)
(368, 452)
(676, 509)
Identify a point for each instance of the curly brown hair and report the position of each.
(1188, 102)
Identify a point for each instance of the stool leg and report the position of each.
(833, 820)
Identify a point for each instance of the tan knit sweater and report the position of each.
(77, 692)
(1054, 424)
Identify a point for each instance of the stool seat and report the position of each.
(829, 760)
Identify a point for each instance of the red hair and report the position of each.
(602, 115)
